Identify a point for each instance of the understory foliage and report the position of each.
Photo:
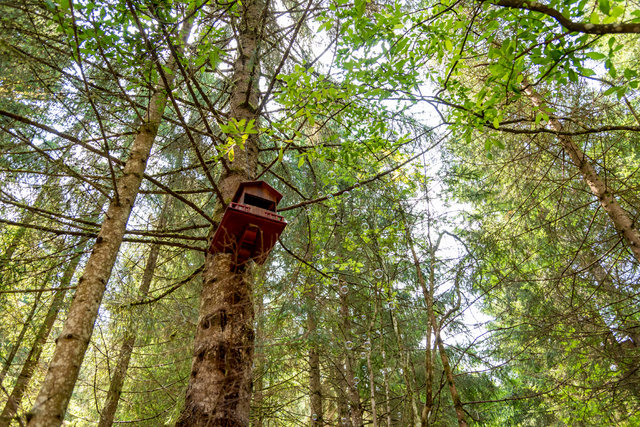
(459, 178)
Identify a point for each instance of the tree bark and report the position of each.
(24, 378)
(372, 383)
(428, 295)
(620, 218)
(54, 396)
(387, 387)
(117, 381)
(342, 400)
(355, 406)
(315, 385)
(257, 407)
(219, 390)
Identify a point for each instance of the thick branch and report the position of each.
(534, 6)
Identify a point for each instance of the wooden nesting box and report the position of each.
(250, 225)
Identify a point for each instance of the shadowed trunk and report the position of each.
(315, 385)
(408, 372)
(372, 383)
(355, 406)
(257, 407)
(53, 398)
(219, 390)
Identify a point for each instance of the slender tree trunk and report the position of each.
(315, 386)
(341, 399)
(117, 380)
(24, 378)
(355, 406)
(385, 371)
(620, 218)
(257, 411)
(219, 390)
(407, 369)
(428, 300)
(428, 294)
(53, 398)
(372, 383)
(425, 416)
(25, 327)
(455, 396)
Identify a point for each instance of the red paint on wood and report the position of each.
(250, 225)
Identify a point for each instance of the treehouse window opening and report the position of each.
(250, 199)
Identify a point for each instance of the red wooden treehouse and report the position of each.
(250, 226)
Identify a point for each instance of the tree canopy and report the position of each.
(460, 185)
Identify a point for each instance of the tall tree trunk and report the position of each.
(408, 371)
(355, 406)
(117, 380)
(455, 396)
(385, 370)
(620, 218)
(342, 401)
(315, 385)
(372, 383)
(25, 327)
(219, 390)
(24, 378)
(53, 398)
(257, 411)
(428, 295)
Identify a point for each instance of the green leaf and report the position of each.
(214, 58)
(587, 72)
(360, 7)
(595, 55)
(616, 12)
(604, 6)
(448, 45)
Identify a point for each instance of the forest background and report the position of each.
(460, 183)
